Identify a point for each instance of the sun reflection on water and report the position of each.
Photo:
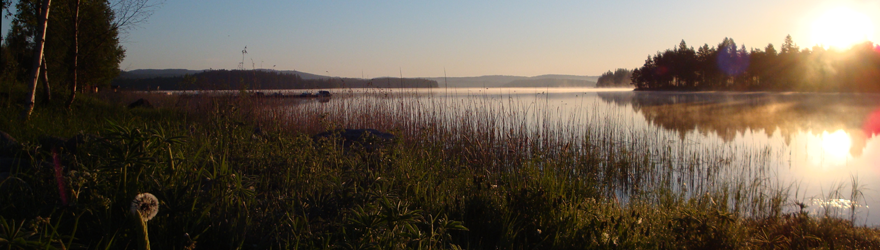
(828, 150)
(841, 208)
(836, 144)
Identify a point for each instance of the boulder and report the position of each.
(49, 142)
(140, 103)
(369, 138)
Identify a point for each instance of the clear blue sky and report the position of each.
(467, 38)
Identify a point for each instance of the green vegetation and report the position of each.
(99, 51)
(727, 67)
(247, 173)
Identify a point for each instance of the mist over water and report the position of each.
(813, 143)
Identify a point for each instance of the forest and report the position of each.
(735, 68)
(262, 79)
(620, 78)
(72, 47)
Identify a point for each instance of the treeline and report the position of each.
(92, 44)
(729, 67)
(257, 79)
(618, 78)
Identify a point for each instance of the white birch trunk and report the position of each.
(40, 42)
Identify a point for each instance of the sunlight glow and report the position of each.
(842, 28)
(836, 144)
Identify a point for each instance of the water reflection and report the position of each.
(840, 122)
(824, 140)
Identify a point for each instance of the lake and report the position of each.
(809, 147)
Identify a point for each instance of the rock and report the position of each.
(369, 138)
(49, 142)
(8, 145)
(140, 103)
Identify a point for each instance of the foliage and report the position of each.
(100, 51)
(618, 78)
(728, 67)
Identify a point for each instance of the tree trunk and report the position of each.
(40, 42)
(74, 54)
(47, 92)
(2, 8)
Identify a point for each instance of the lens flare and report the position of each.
(871, 126)
(731, 61)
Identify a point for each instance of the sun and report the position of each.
(842, 28)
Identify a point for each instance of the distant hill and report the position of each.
(497, 81)
(494, 81)
(303, 75)
(490, 81)
(153, 73)
(550, 82)
(567, 77)
(254, 79)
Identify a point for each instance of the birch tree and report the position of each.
(74, 53)
(127, 14)
(39, 41)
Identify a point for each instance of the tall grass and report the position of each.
(502, 133)
(478, 171)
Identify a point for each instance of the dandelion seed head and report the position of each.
(146, 205)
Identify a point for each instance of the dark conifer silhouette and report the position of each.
(731, 67)
(617, 79)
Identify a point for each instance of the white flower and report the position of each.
(146, 205)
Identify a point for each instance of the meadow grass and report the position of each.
(248, 173)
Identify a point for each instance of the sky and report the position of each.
(458, 38)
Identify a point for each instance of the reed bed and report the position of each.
(501, 133)
(473, 170)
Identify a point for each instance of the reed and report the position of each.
(467, 170)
